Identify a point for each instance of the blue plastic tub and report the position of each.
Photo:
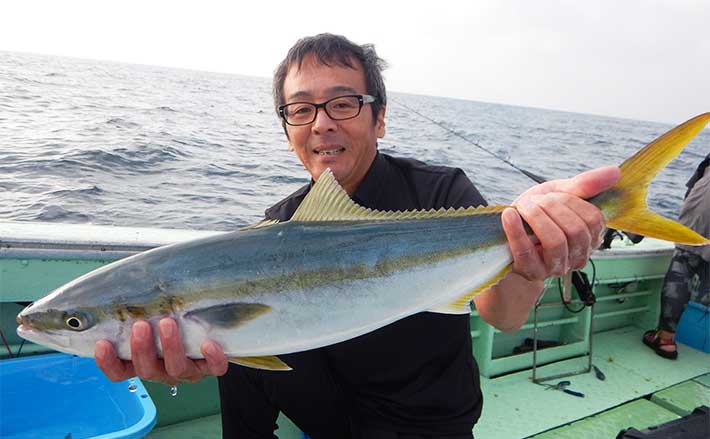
(66, 397)
(694, 327)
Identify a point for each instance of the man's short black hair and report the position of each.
(334, 50)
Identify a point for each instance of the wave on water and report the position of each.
(54, 213)
(122, 123)
(111, 143)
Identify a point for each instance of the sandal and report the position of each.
(653, 341)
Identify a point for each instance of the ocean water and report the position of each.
(99, 142)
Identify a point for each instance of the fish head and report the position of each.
(73, 330)
(101, 305)
(65, 327)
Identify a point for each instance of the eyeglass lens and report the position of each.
(340, 108)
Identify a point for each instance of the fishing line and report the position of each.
(533, 177)
(7, 346)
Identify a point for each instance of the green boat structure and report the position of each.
(639, 388)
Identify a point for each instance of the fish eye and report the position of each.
(76, 322)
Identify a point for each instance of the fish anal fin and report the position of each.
(462, 305)
(265, 363)
(228, 315)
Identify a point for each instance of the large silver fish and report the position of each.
(333, 272)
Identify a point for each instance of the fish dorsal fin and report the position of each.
(328, 201)
(260, 224)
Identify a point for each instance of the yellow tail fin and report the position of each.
(624, 205)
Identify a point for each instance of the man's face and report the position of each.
(347, 147)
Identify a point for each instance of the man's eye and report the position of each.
(343, 105)
(301, 110)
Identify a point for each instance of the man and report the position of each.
(415, 377)
(689, 268)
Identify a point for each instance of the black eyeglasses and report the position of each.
(337, 108)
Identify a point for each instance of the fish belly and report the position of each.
(303, 319)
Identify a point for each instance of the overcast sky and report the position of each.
(637, 59)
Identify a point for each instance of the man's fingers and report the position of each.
(552, 239)
(144, 355)
(177, 365)
(113, 367)
(588, 213)
(526, 259)
(215, 362)
(577, 234)
(590, 183)
(584, 185)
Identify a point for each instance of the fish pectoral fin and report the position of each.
(462, 305)
(265, 363)
(228, 315)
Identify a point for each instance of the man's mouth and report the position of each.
(329, 151)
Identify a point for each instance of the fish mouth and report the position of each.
(22, 319)
(29, 333)
(49, 338)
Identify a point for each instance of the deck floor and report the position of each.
(514, 407)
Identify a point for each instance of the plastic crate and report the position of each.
(694, 327)
(67, 397)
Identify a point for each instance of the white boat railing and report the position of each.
(59, 240)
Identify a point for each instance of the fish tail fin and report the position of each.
(624, 205)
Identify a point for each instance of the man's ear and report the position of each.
(290, 147)
(380, 123)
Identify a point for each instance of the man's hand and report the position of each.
(174, 368)
(567, 228)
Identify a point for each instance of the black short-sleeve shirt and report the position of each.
(414, 376)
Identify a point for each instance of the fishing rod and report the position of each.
(534, 177)
(610, 233)
(579, 279)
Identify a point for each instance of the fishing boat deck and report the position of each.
(515, 407)
(640, 390)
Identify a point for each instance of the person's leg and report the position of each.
(676, 290)
(699, 279)
(675, 294)
(308, 395)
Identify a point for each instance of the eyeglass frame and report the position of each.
(361, 98)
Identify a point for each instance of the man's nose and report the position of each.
(323, 122)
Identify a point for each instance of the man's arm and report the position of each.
(566, 230)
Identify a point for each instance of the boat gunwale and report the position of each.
(43, 240)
